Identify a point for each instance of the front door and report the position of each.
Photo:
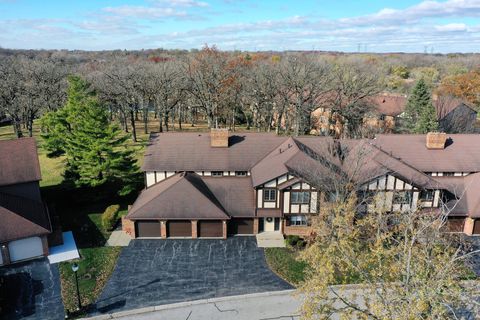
(261, 225)
(277, 224)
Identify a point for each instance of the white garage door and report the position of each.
(25, 248)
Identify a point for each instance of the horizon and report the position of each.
(410, 26)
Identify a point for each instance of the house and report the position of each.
(454, 115)
(219, 184)
(24, 218)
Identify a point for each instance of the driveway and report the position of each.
(156, 272)
(32, 291)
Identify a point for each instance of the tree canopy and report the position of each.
(94, 147)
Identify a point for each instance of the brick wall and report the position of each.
(128, 226)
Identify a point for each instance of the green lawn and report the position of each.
(284, 262)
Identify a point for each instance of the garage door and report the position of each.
(210, 229)
(150, 228)
(455, 224)
(240, 226)
(25, 249)
(179, 228)
(476, 227)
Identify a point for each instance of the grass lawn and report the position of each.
(284, 262)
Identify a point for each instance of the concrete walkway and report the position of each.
(257, 306)
(118, 238)
(270, 240)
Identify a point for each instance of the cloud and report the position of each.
(144, 12)
(452, 27)
(180, 3)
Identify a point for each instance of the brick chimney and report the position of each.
(219, 138)
(436, 140)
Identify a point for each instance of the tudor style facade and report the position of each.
(201, 185)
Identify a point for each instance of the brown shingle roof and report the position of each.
(446, 104)
(462, 153)
(190, 151)
(390, 105)
(21, 217)
(465, 190)
(182, 196)
(236, 194)
(19, 161)
(273, 165)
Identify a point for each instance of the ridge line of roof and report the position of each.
(156, 184)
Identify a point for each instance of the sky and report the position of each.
(439, 26)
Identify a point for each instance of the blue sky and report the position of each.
(342, 25)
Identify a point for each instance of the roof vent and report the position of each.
(219, 138)
(436, 140)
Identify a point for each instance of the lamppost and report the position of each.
(75, 269)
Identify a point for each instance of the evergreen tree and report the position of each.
(94, 148)
(420, 115)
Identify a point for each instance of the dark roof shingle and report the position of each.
(19, 161)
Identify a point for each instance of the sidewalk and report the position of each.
(258, 306)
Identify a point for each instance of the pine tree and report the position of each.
(94, 148)
(420, 115)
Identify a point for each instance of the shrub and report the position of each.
(109, 217)
(300, 244)
(292, 240)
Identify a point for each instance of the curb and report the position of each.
(116, 315)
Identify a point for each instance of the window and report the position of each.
(298, 220)
(270, 195)
(427, 195)
(448, 174)
(402, 197)
(300, 197)
(217, 173)
(382, 117)
(331, 196)
(240, 173)
(367, 197)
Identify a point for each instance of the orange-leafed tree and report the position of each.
(465, 86)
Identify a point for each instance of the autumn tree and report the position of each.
(403, 263)
(465, 86)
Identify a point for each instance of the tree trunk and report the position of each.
(165, 121)
(134, 130)
(180, 118)
(17, 127)
(145, 120)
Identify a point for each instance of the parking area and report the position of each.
(155, 272)
(31, 290)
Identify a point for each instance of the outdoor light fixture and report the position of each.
(75, 269)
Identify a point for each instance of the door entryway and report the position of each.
(269, 224)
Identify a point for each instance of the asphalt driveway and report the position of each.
(31, 290)
(155, 272)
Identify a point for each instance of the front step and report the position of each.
(270, 240)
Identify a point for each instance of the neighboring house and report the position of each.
(24, 219)
(215, 185)
(454, 115)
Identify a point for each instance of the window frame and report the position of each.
(216, 173)
(300, 200)
(427, 192)
(407, 197)
(241, 173)
(298, 220)
(270, 192)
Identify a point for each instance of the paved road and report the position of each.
(272, 305)
(32, 291)
(157, 272)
